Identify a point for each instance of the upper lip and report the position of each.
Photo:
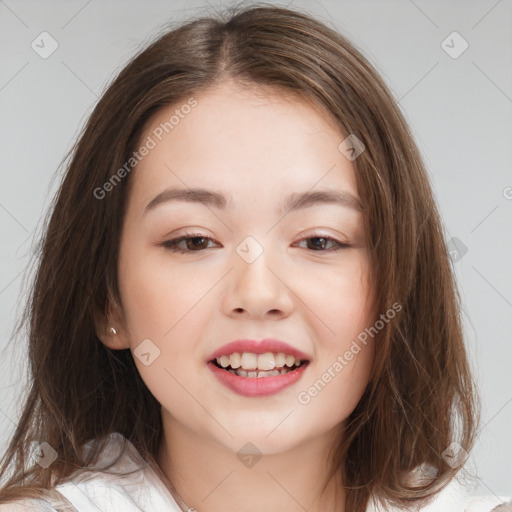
(258, 347)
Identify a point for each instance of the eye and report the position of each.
(195, 242)
(320, 242)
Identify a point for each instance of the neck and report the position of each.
(210, 477)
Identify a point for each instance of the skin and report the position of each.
(255, 146)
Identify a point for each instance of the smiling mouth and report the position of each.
(252, 366)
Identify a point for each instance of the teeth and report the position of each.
(280, 360)
(264, 362)
(273, 373)
(235, 360)
(223, 361)
(249, 361)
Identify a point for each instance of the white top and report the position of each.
(143, 490)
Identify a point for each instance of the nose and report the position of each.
(258, 289)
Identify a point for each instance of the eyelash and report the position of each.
(172, 245)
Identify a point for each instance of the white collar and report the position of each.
(140, 489)
(137, 489)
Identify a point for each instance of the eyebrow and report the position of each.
(295, 201)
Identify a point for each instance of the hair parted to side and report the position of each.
(421, 396)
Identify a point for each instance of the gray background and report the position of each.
(460, 110)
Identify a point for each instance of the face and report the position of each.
(252, 268)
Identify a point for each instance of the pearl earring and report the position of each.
(113, 331)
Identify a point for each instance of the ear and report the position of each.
(110, 328)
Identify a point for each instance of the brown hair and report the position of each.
(420, 397)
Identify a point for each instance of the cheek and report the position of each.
(156, 294)
(164, 317)
(343, 309)
(149, 301)
(169, 306)
(339, 298)
(345, 352)
(335, 389)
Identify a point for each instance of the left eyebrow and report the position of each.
(298, 201)
(295, 201)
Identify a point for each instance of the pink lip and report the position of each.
(258, 347)
(257, 386)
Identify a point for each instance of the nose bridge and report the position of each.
(257, 286)
(253, 264)
(250, 249)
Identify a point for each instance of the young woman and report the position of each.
(244, 299)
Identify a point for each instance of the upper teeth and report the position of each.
(250, 361)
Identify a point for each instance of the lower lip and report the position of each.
(254, 386)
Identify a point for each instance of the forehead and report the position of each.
(236, 138)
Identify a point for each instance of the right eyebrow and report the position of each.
(191, 195)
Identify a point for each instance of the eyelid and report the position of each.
(169, 242)
(318, 233)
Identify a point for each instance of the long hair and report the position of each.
(420, 397)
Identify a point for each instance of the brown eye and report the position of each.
(187, 243)
(319, 243)
(196, 242)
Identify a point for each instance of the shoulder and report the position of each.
(129, 484)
